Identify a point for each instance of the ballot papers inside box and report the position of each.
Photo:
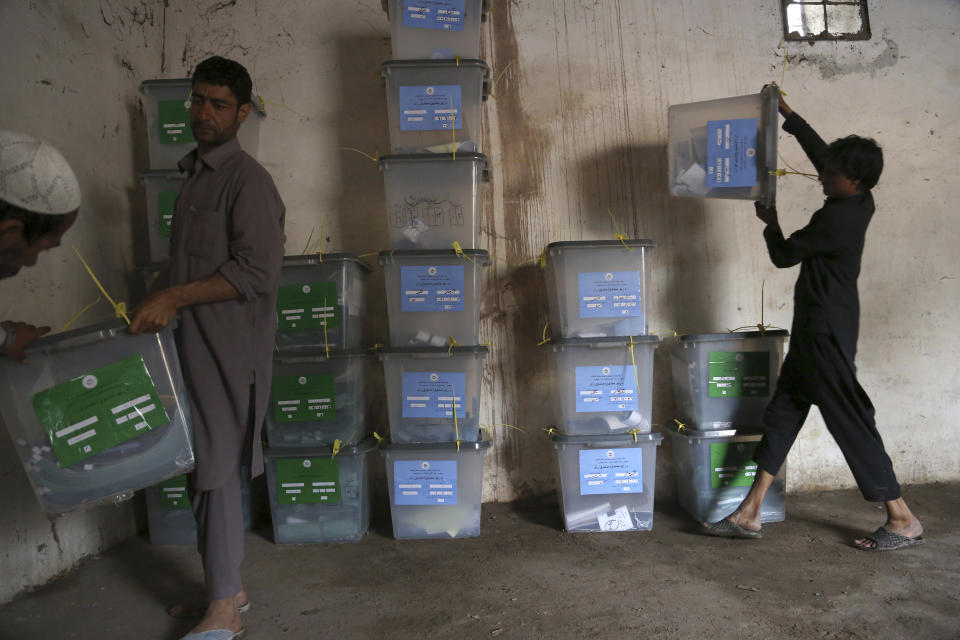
(603, 385)
(321, 301)
(434, 29)
(317, 398)
(724, 148)
(434, 200)
(714, 471)
(725, 380)
(607, 482)
(435, 489)
(96, 414)
(319, 494)
(598, 288)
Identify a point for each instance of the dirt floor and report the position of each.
(525, 578)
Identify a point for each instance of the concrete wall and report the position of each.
(70, 73)
(578, 126)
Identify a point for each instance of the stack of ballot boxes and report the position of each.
(316, 425)
(722, 383)
(601, 363)
(434, 185)
(169, 138)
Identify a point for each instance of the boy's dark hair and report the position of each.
(857, 158)
(225, 73)
(35, 225)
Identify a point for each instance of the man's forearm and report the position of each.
(213, 288)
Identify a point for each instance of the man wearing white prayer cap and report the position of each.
(39, 199)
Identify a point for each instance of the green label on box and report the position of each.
(732, 465)
(173, 493)
(303, 398)
(174, 116)
(308, 481)
(311, 305)
(165, 203)
(99, 410)
(735, 374)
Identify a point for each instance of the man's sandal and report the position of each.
(885, 540)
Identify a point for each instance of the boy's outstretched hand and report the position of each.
(782, 105)
(767, 214)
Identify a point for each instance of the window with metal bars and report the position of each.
(825, 20)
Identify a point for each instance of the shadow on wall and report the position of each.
(361, 123)
(137, 199)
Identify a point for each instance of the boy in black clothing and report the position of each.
(819, 368)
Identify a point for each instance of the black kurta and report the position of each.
(819, 368)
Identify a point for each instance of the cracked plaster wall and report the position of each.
(70, 73)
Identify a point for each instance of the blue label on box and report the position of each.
(430, 108)
(433, 394)
(604, 471)
(434, 14)
(425, 482)
(609, 388)
(610, 294)
(431, 288)
(732, 153)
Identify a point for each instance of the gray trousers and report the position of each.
(219, 515)
(220, 531)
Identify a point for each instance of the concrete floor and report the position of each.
(524, 578)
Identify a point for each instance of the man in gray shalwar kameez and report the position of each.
(227, 246)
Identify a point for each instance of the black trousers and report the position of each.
(816, 371)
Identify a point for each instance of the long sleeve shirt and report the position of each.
(229, 220)
(828, 250)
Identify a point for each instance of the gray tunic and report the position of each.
(229, 220)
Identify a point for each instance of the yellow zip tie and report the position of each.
(543, 259)
(309, 238)
(80, 313)
(634, 433)
(336, 448)
(783, 172)
(453, 343)
(636, 376)
(326, 345)
(487, 429)
(119, 308)
(783, 71)
(376, 346)
(544, 339)
(551, 431)
(680, 425)
(283, 106)
(503, 424)
(375, 158)
(456, 426)
(368, 254)
(459, 251)
(499, 76)
(277, 347)
(619, 236)
(378, 436)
